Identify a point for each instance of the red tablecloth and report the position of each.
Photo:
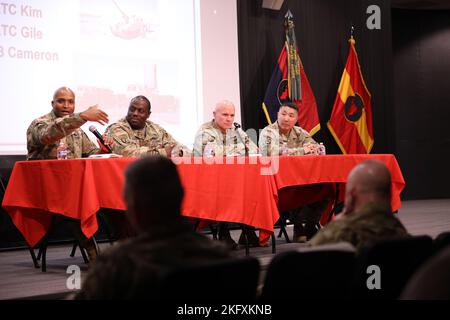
(230, 192)
(332, 169)
(77, 188)
(74, 188)
(306, 179)
(242, 191)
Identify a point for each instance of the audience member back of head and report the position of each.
(367, 216)
(132, 269)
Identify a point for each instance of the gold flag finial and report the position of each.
(352, 40)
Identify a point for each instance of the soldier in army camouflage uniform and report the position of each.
(221, 136)
(134, 268)
(136, 136)
(62, 124)
(225, 140)
(284, 132)
(367, 215)
(285, 138)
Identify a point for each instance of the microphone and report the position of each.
(99, 137)
(237, 126)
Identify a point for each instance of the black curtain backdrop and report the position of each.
(9, 235)
(322, 29)
(406, 67)
(421, 44)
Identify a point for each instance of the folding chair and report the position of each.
(43, 245)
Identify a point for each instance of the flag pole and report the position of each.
(294, 82)
(290, 83)
(352, 31)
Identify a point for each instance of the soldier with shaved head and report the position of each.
(62, 124)
(224, 138)
(367, 215)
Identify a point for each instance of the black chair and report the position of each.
(76, 244)
(232, 280)
(282, 224)
(44, 243)
(394, 260)
(431, 281)
(212, 227)
(245, 232)
(42, 253)
(284, 218)
(312, 274)
(441, 241)
(3, 190)
(112, 222)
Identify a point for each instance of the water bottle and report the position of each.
(322, 149)
(177, 151)
(209, 151)
(284, 149)
(61, 151)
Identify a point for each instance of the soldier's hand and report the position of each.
(109, 141)
(95, 114)
(315, 149)
(168, 148)
(311, 148)
(308, 148)
(341, 215)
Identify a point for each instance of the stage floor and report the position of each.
(19, 279)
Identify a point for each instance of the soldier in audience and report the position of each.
(222, 137)
(367, 215)
(63, 125)
(284, 138)
(132, 269)
(136, 136)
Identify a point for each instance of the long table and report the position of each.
(249, 191)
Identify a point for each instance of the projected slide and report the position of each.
(107, 51)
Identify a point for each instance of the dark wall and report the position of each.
(421, 46)
(9, 235)
(322, 29)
